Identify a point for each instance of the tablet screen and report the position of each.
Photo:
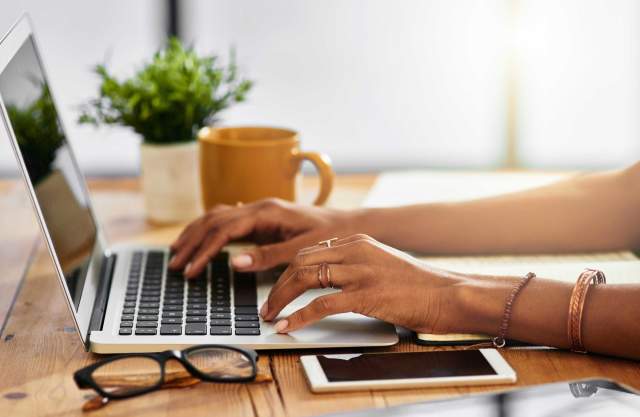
(380, 366)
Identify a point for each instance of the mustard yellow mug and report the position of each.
(245, 164)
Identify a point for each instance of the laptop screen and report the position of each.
(57, 184)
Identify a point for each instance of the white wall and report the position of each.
(579, 83)
(73, 36)
(377, 84)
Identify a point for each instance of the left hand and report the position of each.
(375, 280)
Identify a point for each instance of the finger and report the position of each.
(319, 308)
(338, 242)
(183, 254)
(198, 231)
(304, 279)
(185, 233)
(315, 257)
(217, 238)
(268, 256)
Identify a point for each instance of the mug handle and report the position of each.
(322, 162)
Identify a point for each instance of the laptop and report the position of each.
(123, 298)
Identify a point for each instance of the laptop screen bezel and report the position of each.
(10, 44)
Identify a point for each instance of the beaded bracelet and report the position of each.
(501, 339)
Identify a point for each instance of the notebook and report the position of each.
(399, 188)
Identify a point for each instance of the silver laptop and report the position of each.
(123, 298)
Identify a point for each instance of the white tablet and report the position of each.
(406, 370)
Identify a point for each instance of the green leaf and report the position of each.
(170, 97)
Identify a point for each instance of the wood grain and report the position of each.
(40, 350)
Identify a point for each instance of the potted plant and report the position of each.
(167, 102)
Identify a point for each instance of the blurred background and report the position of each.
(378, 84)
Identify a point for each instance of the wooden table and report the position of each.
(39, 348)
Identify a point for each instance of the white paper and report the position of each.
(413, 187)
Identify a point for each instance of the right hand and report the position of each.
(279, 227)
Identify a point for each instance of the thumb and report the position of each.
(268, 256)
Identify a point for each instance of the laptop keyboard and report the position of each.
(167, 304)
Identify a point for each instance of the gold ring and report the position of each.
(328, 273)
(320, 277)
(327, 242)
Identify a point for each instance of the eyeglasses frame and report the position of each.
(84, 377)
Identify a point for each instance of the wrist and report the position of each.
(480, 301)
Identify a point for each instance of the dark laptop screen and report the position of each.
(58, 186)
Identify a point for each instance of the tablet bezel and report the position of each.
(319, 383)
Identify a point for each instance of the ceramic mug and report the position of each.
(245, 164)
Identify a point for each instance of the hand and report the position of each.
(376, 281)
(281, 227)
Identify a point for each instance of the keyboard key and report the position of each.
(166, 314)
(152, 299)
(150, 305)
(221, 322)
(220, 310)
(220, 330)
(172, 307)
(196, 312)
(247, 325)
(197, 319)
(219, 316)
(148, 311)
(246, 317)
(244, 293)
(130, 298)
(171, 329)
(148, 317)
(247, 332)
(127, 317)
(173, 301)
(129, 305)
(220, 303)
(125, 331)
(128, 311)
(196, 329)
(144, 331)
(247, 310)
(153, 324)
(201, 306)
(126, 324)
(172, 320)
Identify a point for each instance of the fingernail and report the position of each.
(172, 260)
(281, 325)
(242, 261)
(187, 268)
(264, 310)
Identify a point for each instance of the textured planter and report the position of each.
(171, 182)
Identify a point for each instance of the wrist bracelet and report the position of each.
(576, 306)
(500, 340)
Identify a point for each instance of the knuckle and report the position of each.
(323, 304)
(361, 236)
(271, 202)
(217, 208)
(298, 260)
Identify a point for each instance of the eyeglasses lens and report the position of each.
(221, 363)
(127, 375)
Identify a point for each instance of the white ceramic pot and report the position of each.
(171, 182)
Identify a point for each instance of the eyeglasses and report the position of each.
(130, 375)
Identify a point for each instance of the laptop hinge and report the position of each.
(102, 296)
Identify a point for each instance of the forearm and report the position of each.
(610, 324)
(597, 212)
